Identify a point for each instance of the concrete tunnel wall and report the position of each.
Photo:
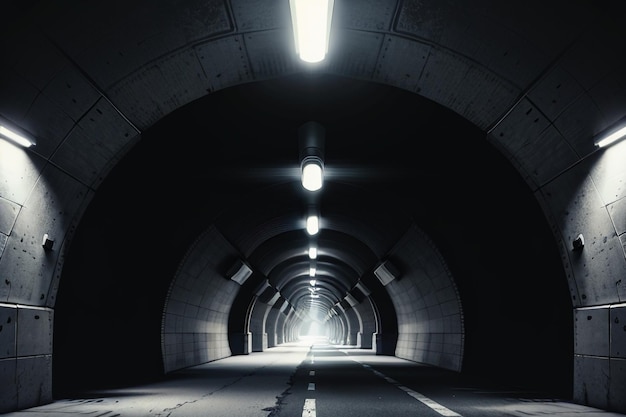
(541, 106)
(195, 316)
(430, 316)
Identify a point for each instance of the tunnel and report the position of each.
(381, 207)
(468, 220)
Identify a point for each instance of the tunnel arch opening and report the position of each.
(447, 182)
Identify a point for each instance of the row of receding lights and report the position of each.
(311, 21)
(311, 138)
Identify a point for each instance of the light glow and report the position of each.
(311, 20)
(312, 272)
(14, 137)
(312, 175)
(312, 252)
(312, 225)
(613, 137)
(313, 282)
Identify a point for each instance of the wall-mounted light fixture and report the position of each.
(239, 272)
(311, 20)
(14, 137)
(386, 272)
(611, 137)
(351, 300)
(579, 242)
(47, 242)
(311, 138)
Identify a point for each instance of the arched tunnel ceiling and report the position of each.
(392, 158)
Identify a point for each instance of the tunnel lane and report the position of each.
(312, 379)
(346, 381)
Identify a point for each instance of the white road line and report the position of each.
(311, 373)
(432, 404)
(423, 399)
(311, 386)
(309, 408)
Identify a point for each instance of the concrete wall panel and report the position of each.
(573, 199)
(617, 323)
(19, 170)
(63, 199)
(414, 55)
(591, 331)
(8, 332)
(591, 385)
(195, 321)
(8, 394)
(17, 95)
(34, 331)
(424, 284)
(34, 381)
(350, 54)
(617, 399)
(271, 54)
(100, 137)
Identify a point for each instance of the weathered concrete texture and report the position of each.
(195, 320)
(617, 330)
(430, 317)
(85, 80)
(600, 338)
(25, 356)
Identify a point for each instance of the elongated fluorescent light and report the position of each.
(312, 174)
(312, 225)
(312, 252)
(613, 137)
(311, 21)
(14, 137)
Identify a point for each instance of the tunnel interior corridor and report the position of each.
(173, 205)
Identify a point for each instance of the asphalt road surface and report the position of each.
(311, 379)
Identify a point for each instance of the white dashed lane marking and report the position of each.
(422, 398)
(309, 408)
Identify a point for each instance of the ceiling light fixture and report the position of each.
(312, 224)
(611, 138)
(311, 20)
(312, 252)
(312, 272)
(7, 133)
(311, 137)
(312, 173)
(313, 282)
